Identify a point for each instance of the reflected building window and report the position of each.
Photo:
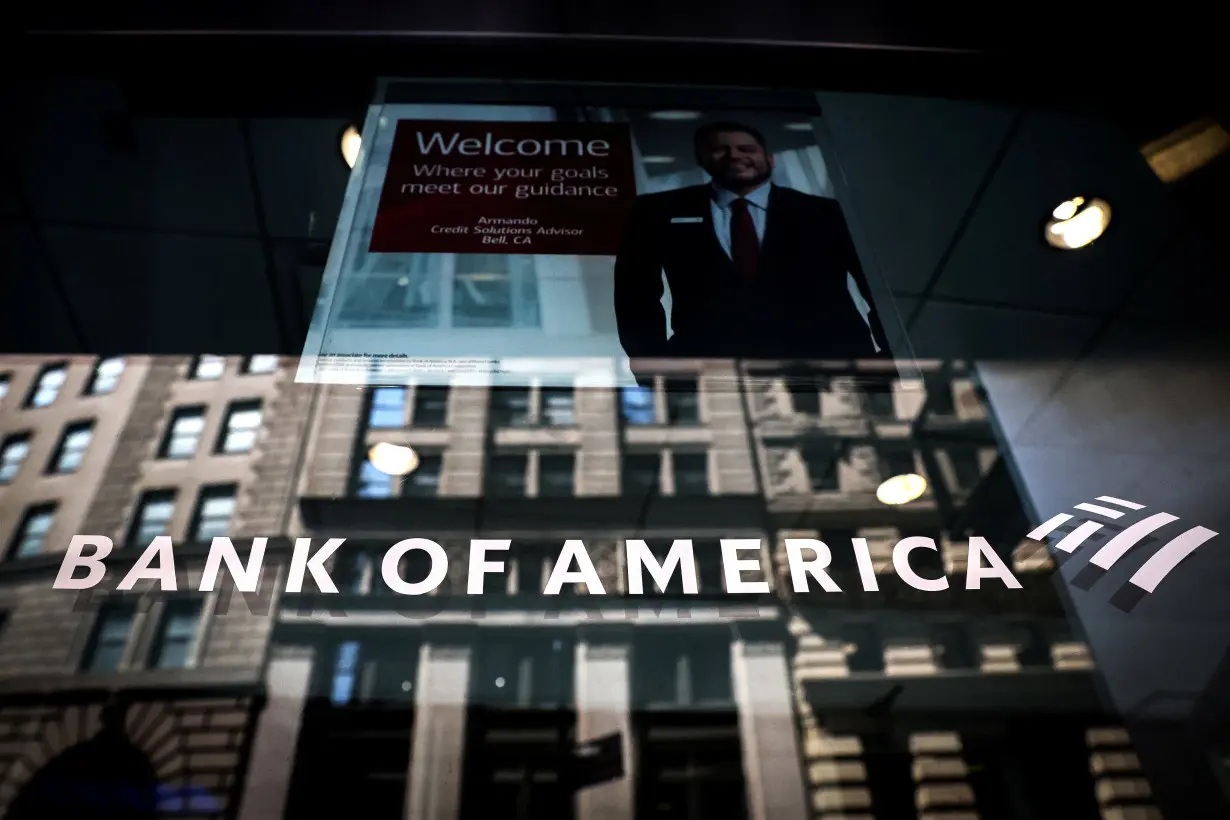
(641, 474)
(153, 517)
(32, 533)
(636, 405)
(345, 672)
(683, 401)
(71, 450)
(175, 644)
(372, 483)
(184, 432)
(897, 460)
(557, 475)
(804, 396)
(557, 406)
(864, 647)
(388, 408)
(47, 387)
(425, 480)
(208, 367)
(495, 290)
(13, 455)
(109, 638)
(966, 467)
(214, 511)
(822, 460)
(511, 407)
(507, 475)
(691, 473)
(430, 406)
(243, 421)
(5, 381)
(254, 365)
(106, 376)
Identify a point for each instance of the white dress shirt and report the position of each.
(719, 207)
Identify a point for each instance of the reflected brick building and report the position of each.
(785, 706)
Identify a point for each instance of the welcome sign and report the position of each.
(505, 187)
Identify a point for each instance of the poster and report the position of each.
(525, 244)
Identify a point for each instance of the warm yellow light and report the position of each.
(351, 142)
(1077, 223)
(902, 489)
(393, 459)
(1186, 150)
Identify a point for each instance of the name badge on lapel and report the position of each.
(686, 220)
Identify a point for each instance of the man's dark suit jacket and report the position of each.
(797, 307)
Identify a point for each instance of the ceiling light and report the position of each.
(1077, 222)
(657, 159)
(902, 489)
(393, 459)
(675, 116)
(351, 141)
(798, 126)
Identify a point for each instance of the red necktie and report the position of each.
(744, 244)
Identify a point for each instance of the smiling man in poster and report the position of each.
(755, 269)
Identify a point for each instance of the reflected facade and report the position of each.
(886, 704)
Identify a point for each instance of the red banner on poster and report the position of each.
(466, 186)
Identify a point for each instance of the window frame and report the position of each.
(91, 385)
(53, 464)
(246, 368)
(22, 530)
(23, 436)
(233, 409)
(178, 413)
(206, 493)
(146, 497)
(36, 385)
(85, 661)
(158, 638)
(194, 367)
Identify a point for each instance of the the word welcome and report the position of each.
(808, 559)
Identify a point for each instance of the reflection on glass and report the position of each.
(494, 290)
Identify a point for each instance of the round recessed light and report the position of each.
(351, 142)
(657, 159)
(1077, 222)
(393, 459)
(675, 116)
(799, 126)
(902, 489)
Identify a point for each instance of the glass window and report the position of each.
(822, 461)
(72, 447)
(557, 406)
(710, 573)
(495, 290)
(956, 648)
(4, 385)
(506, 474)
(110, 637)
(510, 407)
(184, 432)
(177, 635)
(966, 467)
(683, 401)
(865, 650)
(209, 367)
(805, 396)
(691, 473)
(897, 461)
(33, 530)
(940, 398)
(345, 671)
(153, 517)
(430, 406)
(425, 480)
(12, 454)
(682, 670)
(213, 515)
(557, 475)
(48, 385)
(243, 421)
(260, 364)
(106, 375)
(388, 409)
(520, 670)
(641, 474)
(373, 483)
(636, 405)
(880, 401)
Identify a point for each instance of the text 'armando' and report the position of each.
(808, 558)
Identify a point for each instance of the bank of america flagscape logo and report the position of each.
(1125, 538)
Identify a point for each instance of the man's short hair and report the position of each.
(701, 138)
